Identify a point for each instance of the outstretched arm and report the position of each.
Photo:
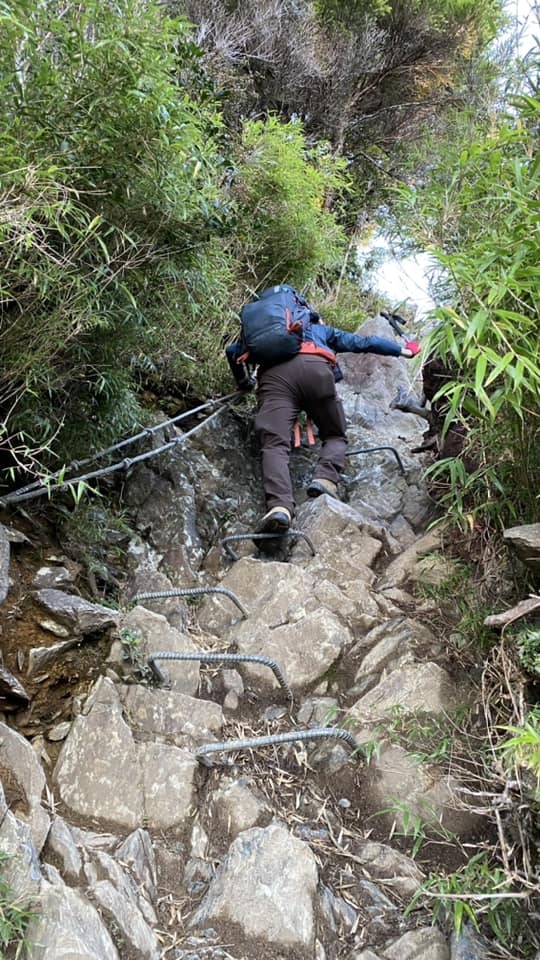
(343, 342)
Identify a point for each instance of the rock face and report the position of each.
(525, 543)
(67, 926)
(78, 615)
(4, 563)
(104, 775)
(266, 885)
(130, 848)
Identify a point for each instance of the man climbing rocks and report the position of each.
(305, 381)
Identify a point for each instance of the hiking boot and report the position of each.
(277, 520)
(318, 487)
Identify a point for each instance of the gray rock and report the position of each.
(424, 687)
(4, 563)
(99, 865)
(318, 712)
(393, 644)
(375, 902)
(66, 926)
(417, 506)
(339, 915)
(168, 785)
(329, 524)
(423, 944)
(23, 872)
(232, 682)
(80, 616)
(404, 567)
(98, 772)
(468, 945)
(278, 587)
(397, 780)
(237, 807)
(167, 713)
(53, 578)
(157, 635)
(61, 843)
(137, 854)
(231, 701)
(402, 531)
(383, 862)
(20, 760)
(11, 688)
(129, 922)
(39, 658)
(103, 774)
(59, 732)
(266, 885)
(319, 632)
(524, 541)
(145, 576)
(51, 626)
(167, 513)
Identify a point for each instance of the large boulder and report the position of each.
(102, 774)
(266, 885)
(148, 633)
(66, 926)
(24, 783)
(423, 687)
(79, 616)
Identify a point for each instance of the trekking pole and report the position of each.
(394, 320)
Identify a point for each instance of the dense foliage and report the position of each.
(126, 219)
(362, 74)
(478, 214)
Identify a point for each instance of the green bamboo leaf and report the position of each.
(480, 374)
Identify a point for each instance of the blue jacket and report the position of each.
(322, 340)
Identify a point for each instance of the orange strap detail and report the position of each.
(318, 351)
(297, 433)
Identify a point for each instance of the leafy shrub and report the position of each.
(15, 916)
(478, 216)
(109, 171)
(284, 232)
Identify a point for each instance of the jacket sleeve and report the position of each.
(239, 371)
(343, 342)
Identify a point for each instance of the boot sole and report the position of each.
(313, 492)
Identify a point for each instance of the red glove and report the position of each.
(413, 346)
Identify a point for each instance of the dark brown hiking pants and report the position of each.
(304, 383)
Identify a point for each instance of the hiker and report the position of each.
(287, 384)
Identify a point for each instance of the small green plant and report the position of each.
(428, 738)
(132, 644)
(528, 644)
(370, 748)
(458, 601)
(15, 917)
(413, 826)
(522, 749)
(477, 891)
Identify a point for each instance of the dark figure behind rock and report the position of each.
(436, 374)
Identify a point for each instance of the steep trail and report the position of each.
(132, 849)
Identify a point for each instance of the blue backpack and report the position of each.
(273, 325)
